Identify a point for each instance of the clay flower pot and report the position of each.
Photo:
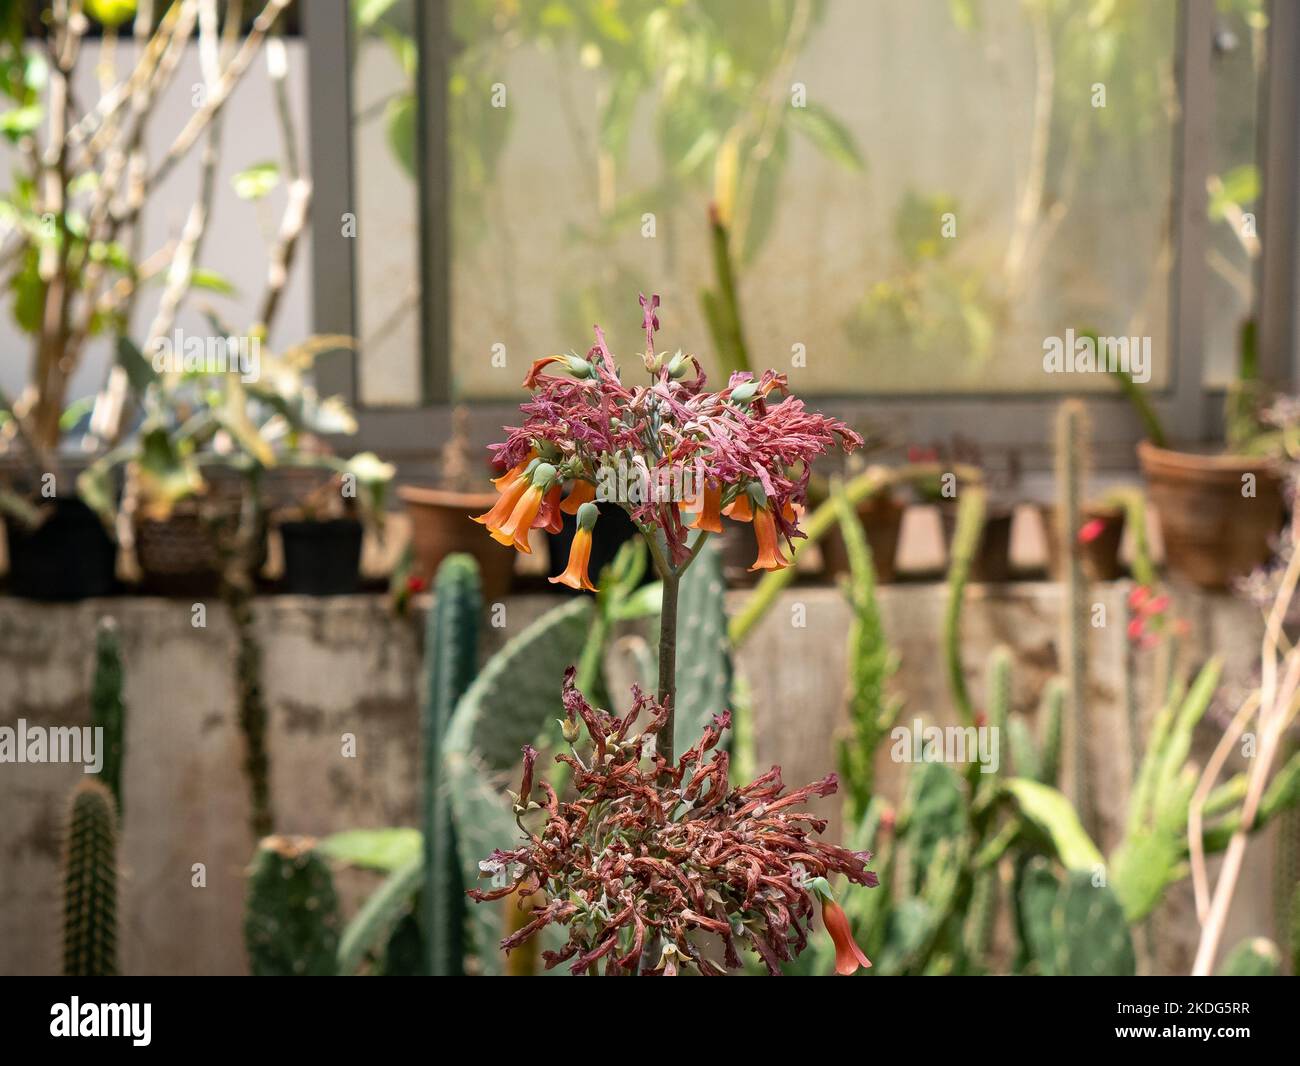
(1213, 530)
(882, 520)
(1099, 552)
(441, 524)
(992, 562)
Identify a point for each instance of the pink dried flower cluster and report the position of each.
(649, 856)
(740, 441)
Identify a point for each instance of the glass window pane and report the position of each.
(1240, 48)
(387, 207)
(919, 193)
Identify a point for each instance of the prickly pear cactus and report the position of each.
(107, 712)
(451, 661)
(1255, 957)
(703, 650)
(291, 918)
(1073, 927)
(90, 884)
(514, 699)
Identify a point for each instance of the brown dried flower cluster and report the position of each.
(650, 859)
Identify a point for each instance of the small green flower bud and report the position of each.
(544, 475)
(744, 392)
(587, 515)
(678, 365)
(571, 730)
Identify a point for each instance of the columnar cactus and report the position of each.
(965, 543)
(291, 921)
(451, 661)
(107, 712)
(1071, 452)
(90, 884)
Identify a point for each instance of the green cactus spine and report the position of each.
(107, 712)
(451, 661)
(90, 884)
(1071, 450)
(291, 918)
(965, 543)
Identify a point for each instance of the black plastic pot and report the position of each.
(69, 556)
(613, 530)
(322, 558)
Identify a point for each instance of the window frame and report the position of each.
(1190, 410)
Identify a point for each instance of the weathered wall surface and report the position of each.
(347, 666)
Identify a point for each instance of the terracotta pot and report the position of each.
(1100, 555)
(440, 525)
(882, 521)
(1212, 533)
(992, 562)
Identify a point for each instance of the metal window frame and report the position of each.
(1189, 410)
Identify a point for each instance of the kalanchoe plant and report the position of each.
(742, 452)
(651, 854)
(657, 851)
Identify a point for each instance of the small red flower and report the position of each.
(416, 584)
(1091, 530)
(1138, 597)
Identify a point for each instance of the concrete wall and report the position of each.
(348, 666)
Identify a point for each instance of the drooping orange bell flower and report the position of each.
(521, 501)
(549, 517)
(709, 517)
(769, 551)
(511, 491)
(848, 956)
(509, 476)
(575, 574)
(741, 509)
(582, 492)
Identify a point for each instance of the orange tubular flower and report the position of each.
(515, 471)
(575, 574)
(582, 492)
(769, 552)
(709, 517)
(848, 956)
(500, 512)
(548, 518)
(741, 509)
(520, 502)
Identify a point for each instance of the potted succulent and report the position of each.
(992, 560)
(1219, 512)
(441, 517)
(881, 516)
(322, 534)
(71, 234)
